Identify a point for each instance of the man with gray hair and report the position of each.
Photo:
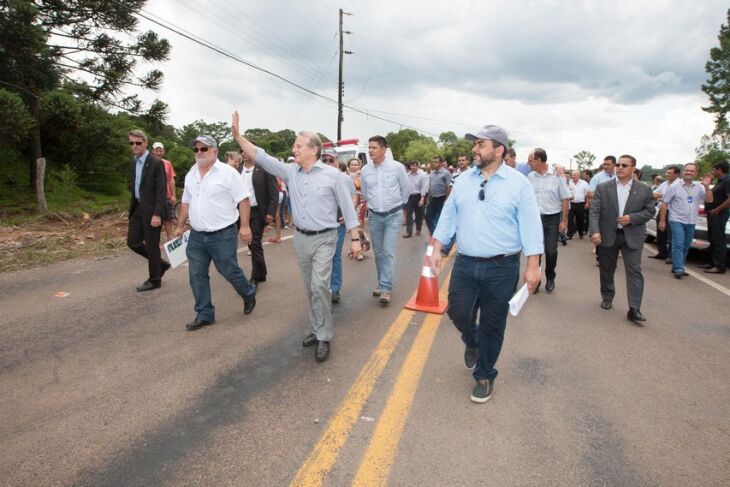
(316, 191)
(147, 208)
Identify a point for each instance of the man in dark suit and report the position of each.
(264, 202)
(619, 211)
(148, 185)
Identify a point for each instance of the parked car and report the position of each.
(701, 240)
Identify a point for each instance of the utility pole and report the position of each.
(341, 85)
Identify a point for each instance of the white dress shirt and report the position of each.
(578, 190)
(214, 198)
(622, 192)
(247, 175)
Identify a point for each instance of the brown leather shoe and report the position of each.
(384, 299)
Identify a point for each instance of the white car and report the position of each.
(701, 240)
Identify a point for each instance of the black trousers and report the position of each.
(663, 239)
(144, 239)
(258, 264)
(716, 231)
(433, 212)
(550, 227)
(411, 209)
(577, 219)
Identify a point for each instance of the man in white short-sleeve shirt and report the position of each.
(214, 199)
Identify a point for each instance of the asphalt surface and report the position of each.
(105, 387)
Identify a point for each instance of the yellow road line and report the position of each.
(320, 461)
(314, 470)
(380, 455)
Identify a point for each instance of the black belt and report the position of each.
(386, 213)
(220, 230)
(487, 259)
(313, 232)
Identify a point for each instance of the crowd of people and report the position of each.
(492, 207)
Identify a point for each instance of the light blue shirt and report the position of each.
(505, 222)
(315, 194)
(599, 178)
(138, 172)
(678, 197)
(523, 167)
(385, 186)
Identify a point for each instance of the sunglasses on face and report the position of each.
(135, 142)
(329, 160)
(481, 191)
(200, 149)
(623, 165)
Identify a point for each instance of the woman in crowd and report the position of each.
(361, 208)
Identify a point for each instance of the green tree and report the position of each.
(421, 150)
(220, 131)
(399, 141)
(16, 123)
(584, 159)
(87, 45)
(717, 87)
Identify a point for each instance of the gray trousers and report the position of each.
(607, 258)
(315, 253)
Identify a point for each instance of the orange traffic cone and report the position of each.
(427, 297)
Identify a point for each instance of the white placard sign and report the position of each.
(175, 249)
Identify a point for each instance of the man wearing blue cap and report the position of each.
(493, 212)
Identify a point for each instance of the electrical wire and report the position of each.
(208, 45)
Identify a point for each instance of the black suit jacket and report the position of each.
(152, 188)
(266, 191)
(604, 212)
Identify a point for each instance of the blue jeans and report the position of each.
(682, 235)
(220, 247)
(485, 287)
(336, 279)
(384, 231)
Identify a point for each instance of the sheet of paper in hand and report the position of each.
(518, 300)
(175, 249)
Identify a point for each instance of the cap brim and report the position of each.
(471, 137)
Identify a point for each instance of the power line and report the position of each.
(207, 44)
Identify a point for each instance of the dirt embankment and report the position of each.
(57, 236)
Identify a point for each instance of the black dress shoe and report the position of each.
(550, 286)
(635, 315)
(711, 270)
(309, 340)
(606, 304)
(197, 324)
(705, 266)
(323, 351)
(249, 303)
(255, 281)
(148, 286)
(658, 257)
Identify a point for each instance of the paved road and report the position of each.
(104, 386)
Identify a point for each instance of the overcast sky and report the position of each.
(611, 77)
